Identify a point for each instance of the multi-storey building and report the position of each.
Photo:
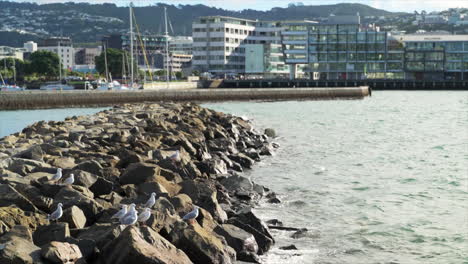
(219, 42)
(150, 45)
(338, 48)
(63, 47)
(435, 56)
(181, 45)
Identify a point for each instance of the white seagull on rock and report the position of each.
(57, 176)
(190, 217)
(151, 201)
(143, 217)
(70, 180)
(122, 212)
(131, 217)
(56, 214)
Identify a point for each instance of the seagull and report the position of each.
(190, 217)
(131, 208)
(143, 217)
(131, 217)
(175, 156)
(70, 180)
(120, 213)
(151, 201)
(56, 214)
(57, 176)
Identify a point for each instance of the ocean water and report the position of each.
(378, 180)
(14, 121)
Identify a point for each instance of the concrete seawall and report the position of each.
(57, 99)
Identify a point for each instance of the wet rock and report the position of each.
(9, 196)
(201, 245)
(237, 238)
(300, 233)
(243, 160)
(274, 222)
(142, 245)
(74, 216)
(48, 233)
(270, 132)
(289, 247)
(18, 248)
(61, 252)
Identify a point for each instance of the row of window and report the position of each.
(449, 46)
(393, 66)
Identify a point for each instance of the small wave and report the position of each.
(298, 203)
(360, 188)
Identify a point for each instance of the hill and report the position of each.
(86, 22)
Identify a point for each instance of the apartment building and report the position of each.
(11, 52)
(181, 45)
(63, 47)
(219, 42)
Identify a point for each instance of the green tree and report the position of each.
(44, 63)
(179, 75)
(195, 73)
(114, 63)
(10, 66)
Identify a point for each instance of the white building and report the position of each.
(30, 46)
(63, 47)
(219, 42)
(11, 52)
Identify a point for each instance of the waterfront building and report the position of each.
(181, 45)
(435, 57)
(154, 45)
(219, 42)
(63, 47)
(30, 46)
(85, 59)
(339, 48)
(11, 52)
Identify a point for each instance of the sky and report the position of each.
(389, 5)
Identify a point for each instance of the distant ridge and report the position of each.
(149, 18)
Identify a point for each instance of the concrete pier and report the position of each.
(60, 99)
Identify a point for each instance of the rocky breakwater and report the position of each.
(187, 155)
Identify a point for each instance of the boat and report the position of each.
(56, 86)
(114, 85)
(9, 87)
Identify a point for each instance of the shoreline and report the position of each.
(120, 156)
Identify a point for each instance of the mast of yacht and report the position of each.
(60, 65)
(166, 35)
(131, 44)
(105, 62)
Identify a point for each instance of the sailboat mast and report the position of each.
(166, 35)
(60, 65)
(105, 62)
(131, 45)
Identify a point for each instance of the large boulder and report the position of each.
(48, 233)
(84, 178)
(71, 196)
(101, 234)
(34, 153)
(61, 252)
(74, 216)
(203, 193)
(201, 245)
(90, 166)
(10, 196)
(138, 173)
(35, 196)
(142, 246)
(237, 238)
(102, 187)
(18, 248)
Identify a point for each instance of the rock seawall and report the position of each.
(186, 154)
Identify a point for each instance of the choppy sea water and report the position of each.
(378, 180)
